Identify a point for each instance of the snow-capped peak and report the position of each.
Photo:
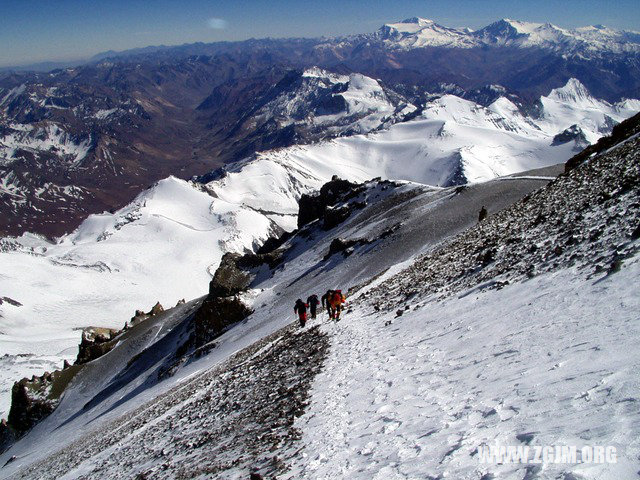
(419, 32)
(418, 20)
(317, 72)
(573, 92)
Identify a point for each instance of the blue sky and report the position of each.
(40, 30)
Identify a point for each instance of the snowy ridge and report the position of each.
(420, 32)
(455, 140)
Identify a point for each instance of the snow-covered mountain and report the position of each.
(306, 105)
(166, 244)
(330, 104)
(454, 140)
(419, 33)
(418, 375)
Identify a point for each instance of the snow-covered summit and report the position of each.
(574, 92)
(418, 32)
(317, 104)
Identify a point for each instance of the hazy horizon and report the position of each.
(70, 31)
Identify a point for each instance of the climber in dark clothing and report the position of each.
(301, 309)
(325, 300)
(313, 302)
(483, 214)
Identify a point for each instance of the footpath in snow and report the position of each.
(551, 361)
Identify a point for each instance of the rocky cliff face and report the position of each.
(32, 400)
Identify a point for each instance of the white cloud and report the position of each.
(217, 23)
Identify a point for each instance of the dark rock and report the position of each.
(215, 315)
(228, 279)
(250, 261)
(310, 208)
(615, 267)
(313, 206)
(32, 400)
(573, 133)
(95, 343)
(334, 216)
(10, 301)
(399, 313)
(273, 243)
(340, 245)
(156, 309)
(488, 256)
(525, 438)
(8, 435)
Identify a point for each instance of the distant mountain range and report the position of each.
(593, 40)
(89, 138)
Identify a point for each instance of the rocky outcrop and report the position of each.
(314, 206)
(346, 246)
(573, 133)
(215, 315)
(140, 315)
(334, 216)
(32, 400)
(95, 343)
(229, 279)
(223, 306)
(10, 301)
(622, 131)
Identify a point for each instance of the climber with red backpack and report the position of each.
(333, 300)
(301, 309)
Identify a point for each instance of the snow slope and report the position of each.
(167, 243)
(162, 247)
(548, 362)
(500, 354)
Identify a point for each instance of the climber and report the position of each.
(313, 302)
(301, 309)
(483, 214)
(325, 301)
(334, 304)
